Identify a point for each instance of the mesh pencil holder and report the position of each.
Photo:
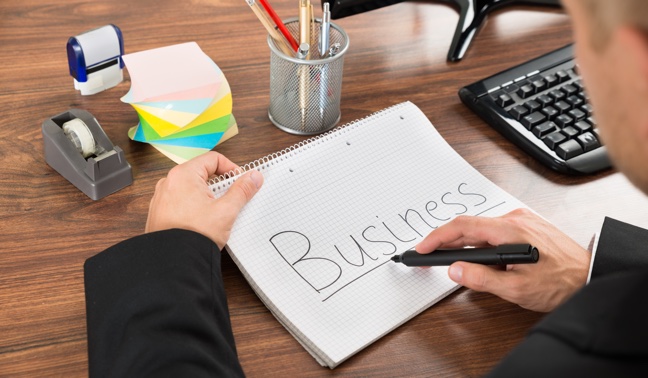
(305, 93)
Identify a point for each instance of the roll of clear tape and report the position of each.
(78, 132)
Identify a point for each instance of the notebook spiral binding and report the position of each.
(227, 179)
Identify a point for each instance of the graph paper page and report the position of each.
(316, 241)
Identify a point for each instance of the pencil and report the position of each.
(280, 24)
(279, 39)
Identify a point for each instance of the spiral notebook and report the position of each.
(315, 243)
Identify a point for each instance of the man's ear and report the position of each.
(632, 43)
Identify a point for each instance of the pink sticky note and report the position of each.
(165, 71)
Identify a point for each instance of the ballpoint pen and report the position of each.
(311, 16)
(303, 71)
(280, 24)
(305, 22)
(303, 50)
(324, 30)
(304, 82)
(334, 49)
(279, 39)
(323, 51)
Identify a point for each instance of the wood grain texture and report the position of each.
(48, 227)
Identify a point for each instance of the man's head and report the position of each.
(612, 53)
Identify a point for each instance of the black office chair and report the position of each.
(472, 13)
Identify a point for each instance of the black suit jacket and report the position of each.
(602, 331)
(156, 307)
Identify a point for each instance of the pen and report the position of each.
(279, 39)
(324, 30)
(304, 38)
(304, 83)
(303, 51)
(323, 51)
(311, 16)
(280, 24)
(500, 255)
(305, 23)
(334, 49)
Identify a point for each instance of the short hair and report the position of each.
(606, 15)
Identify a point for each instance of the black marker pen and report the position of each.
(500, 255)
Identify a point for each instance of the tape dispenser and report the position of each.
(95, 59)
(77, 147)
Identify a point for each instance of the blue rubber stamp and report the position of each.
(95, 59)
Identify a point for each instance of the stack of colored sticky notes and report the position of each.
(182, 99)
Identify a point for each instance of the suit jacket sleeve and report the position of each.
(156, 306)
(602, 329)
(600, 332)
(621, 247)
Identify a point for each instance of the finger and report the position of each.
(478, 277)
(463, 242)
(239, 194)
(452, 234)
(470, 230)
(208, 164)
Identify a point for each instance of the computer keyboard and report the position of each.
(541, 106)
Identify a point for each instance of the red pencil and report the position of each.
(280, 24)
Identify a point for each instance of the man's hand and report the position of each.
(561, 270)
(183, 199)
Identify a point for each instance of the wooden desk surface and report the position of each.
(48, 227)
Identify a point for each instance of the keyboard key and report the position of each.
(583, 126)
(511, 88)
(525, 91)
(554, 139)
(544, 128)
(550, 112)
(564, 120)
(551, 80)
(518, 111)
(539, 85)
(562, 76)
(562, 107)
(504, 100)
(577, 114)
(533, 105)
(532, 120)
(569, 89)
(588, 141)
(569, 149)
(595, 131)
(578, 84)
(575, 101)
(544, 100)
(587, 108)
(557, 94)
(570, 132)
